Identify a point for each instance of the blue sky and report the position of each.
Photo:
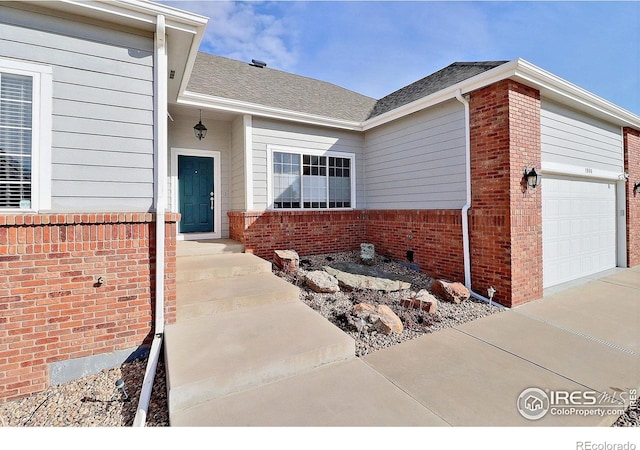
(377, 47)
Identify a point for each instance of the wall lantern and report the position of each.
(199, 129)
(636, 187)
(532, 177)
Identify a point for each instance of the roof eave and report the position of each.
(554, 87)
(526, 73)
(239, 107)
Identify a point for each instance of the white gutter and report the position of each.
(467, 205)
(241, 107)
(160, 147)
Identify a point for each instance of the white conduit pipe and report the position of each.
(465, 218)
(161, 113)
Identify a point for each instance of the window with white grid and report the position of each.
(308, 181)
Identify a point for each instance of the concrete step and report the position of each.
(214, 356)
(207, 267)
(214, 296)
(208, 247)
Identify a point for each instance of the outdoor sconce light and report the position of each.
(532, 177)
(199, 129)
(636, 186)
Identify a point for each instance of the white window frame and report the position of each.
(305, 151)
(41, 129)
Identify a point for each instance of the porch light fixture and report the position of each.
(199, 129)
(532, 177)
(636, 187)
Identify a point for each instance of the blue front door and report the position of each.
(195, 187)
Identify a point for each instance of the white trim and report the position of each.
(240, 107)
(248, 160)
(217, 189)
(518, 70)
(553, 168)
(41, 131)
(304, 151)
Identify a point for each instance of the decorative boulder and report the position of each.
(451, 292)
(388, 322)
(355, 281)
(321, 281)
(367, 253)
(286, 260)
(366, 317)
(421, 300)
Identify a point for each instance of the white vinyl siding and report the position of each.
(305, 139)
(418, 162)
(571, 138)
(102, 107)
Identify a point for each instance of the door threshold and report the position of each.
(196, 236)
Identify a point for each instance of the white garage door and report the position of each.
(578, 228)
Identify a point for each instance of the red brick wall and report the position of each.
(632, 167)
(435, 237)
(51, 308)
(506, 220)
(307, 232)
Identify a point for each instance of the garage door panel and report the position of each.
(578, 228)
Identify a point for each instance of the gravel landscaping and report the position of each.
(94, 401)
(336, 306)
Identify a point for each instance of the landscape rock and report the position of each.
(366, 317)
(388, 322)
(359, 281)
(367, 254)
(451, 292)
(286, 260)
(421, 300)
(321, 281)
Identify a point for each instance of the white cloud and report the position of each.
(246, 31)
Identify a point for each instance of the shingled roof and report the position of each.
(236, 80)
(442, 79)
(222, 77)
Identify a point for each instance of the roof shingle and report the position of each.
(236, 80)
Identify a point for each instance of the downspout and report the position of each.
(465, 217)
(160, 150)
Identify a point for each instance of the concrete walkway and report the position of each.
(586, 338)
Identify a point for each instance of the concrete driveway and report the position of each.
(569, 359)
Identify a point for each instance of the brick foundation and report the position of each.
(631, 139)
(306, 232)
(51, 306)
(506, 219)
(434, 236)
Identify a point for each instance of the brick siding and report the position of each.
(435, 236)
(51, 306)
(506, 219)
(307, 232)
(632, 167)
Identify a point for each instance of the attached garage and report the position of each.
(582, 161)
(578, 228)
